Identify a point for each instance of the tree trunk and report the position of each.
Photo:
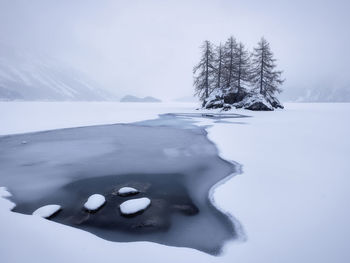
(207, 73)
(261, 73)
(239, 72)
(219, 73)
(230, 69)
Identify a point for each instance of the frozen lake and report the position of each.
(291, 199)
(169, 160)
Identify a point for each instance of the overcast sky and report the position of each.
(149, 47)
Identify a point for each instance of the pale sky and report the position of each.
(150, 47)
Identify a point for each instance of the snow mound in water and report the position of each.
(134, 205)
(125, 191)
(94, 202)
(47, 211)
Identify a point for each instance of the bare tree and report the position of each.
(229, 64)
(219, 67)
(264, 76)
(204, 72)
(242, 67)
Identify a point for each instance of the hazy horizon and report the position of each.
(148, 48)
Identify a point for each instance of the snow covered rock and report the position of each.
(259, 106)
(256, 102)
(95, 202)
(274, 102)
(243, 99)
(234, 97)
(214, 101)
(47, 211)
(134, 206)
(214, 104)
(126, 191)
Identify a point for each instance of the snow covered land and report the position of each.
(291, 199)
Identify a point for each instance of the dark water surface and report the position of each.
(169, 160)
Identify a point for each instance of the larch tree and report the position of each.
(242, 67)
(265, 78)
(219, 67)
(204, 72)
(229, 64)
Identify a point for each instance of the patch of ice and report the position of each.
(134, 205)
(47, 211)
(124, 191)
(94, 202)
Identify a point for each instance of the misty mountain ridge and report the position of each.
(27, 75)
(337, 94)
(318, 93)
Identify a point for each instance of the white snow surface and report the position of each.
(4, 192)
(94, 202)
(292, 198)
(133, 206)
(127, 190)
(46, 211)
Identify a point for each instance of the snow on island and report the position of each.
(94, 202)
(47, 211)
(134, 206)
(245, 99)
(125, 191)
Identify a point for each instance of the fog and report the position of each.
(149, 47)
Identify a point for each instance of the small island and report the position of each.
(228, 76)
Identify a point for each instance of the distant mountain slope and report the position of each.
(30, 76)
(318, 93)
(130, 98)
(339, 94)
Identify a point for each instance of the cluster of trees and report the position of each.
(230, 68)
